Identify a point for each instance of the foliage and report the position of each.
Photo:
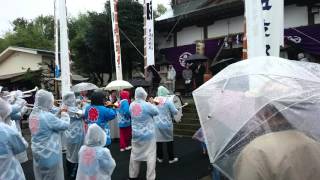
(32, 34)
(91, 38)
(161, 9)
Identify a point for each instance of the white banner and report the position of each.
(255, 29)
(116, 38)
(273, 14)
(264, 21)
(64, 48)
(149, 33)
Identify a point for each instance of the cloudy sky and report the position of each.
(29, 9)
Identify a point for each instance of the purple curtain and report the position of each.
(177, 55)
(212, 47)
(306, 37)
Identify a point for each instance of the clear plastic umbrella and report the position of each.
(241, 102)
(118, 85)
(84, 86)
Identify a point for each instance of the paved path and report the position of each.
(191, 166)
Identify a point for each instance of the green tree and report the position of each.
(92, 40)
(37, 33)
(161, 9)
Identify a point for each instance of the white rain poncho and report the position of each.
(74, 136)
(143, 127)
(45, 130)
(18, 110)
(11, 144)
(164, 125)
(229, 105)
(95, 161)
(143, 135)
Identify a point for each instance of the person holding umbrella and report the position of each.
(296, 155)
(272, 129)
(187, 76)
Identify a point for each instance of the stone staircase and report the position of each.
(190, 121)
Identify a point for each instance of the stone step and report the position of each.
(187, 126)
(189, 110)
(190, 115)
(184, 132)
(190, 121)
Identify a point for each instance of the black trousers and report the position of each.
(169, 150)
(72, 170)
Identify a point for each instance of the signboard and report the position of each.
(116, 38)
(148, 33)
(264, 27)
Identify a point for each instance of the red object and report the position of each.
(93, 115)
(34, 124)
(125, 95)
(125, 137)
(136, 110)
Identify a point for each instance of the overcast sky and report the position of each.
(29, 9)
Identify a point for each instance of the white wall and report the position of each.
(189, 35)
(163, 42)
(19, 62)
(317, 18)
(295, 16)
(225, 26)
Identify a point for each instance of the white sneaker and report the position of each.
(128, 148)
(159, 160)
(174, 160)
(122, 150)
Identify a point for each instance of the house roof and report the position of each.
(206, 12)
(11, 50)
(192, 6)
(199, 11)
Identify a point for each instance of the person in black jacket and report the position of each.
(199, 72)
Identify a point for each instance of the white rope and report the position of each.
(174, 26)
(124, 34)
(314, 39)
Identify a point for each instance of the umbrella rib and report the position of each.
(220, 152)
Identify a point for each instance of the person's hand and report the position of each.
(64, 109)
(108, 103)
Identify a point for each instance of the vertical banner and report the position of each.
(116, 38)
(64, 49)
(256, 42)
(148, 33)
(56, 40)
(245, 43)
(273, 16)
(265, 27)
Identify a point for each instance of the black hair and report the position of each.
(97, 98)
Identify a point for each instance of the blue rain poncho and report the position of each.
(95, 161)
(124, 119)
(18, 110)
(11, 144)
(45, 130)
(100, 115)
(74, 136)
(143, 127)
(164, 125)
